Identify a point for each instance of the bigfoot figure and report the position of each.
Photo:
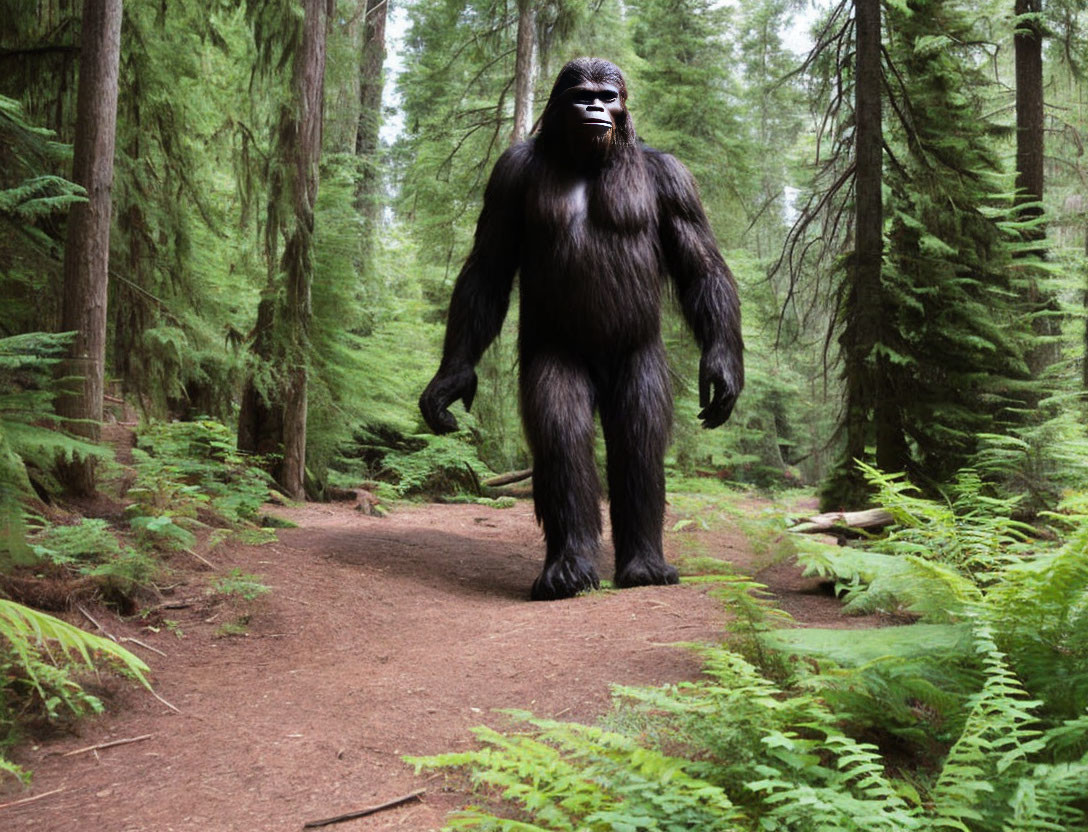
(593, 221)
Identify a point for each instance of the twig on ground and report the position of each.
(145, 646)
(201, 558)
(174, 605)
(32, 799)
(111, 744)
(167, 704)
(362, 813)
(92, 619)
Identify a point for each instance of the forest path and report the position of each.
(381, 637)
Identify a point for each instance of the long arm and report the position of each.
(481, 294)
(706, 288)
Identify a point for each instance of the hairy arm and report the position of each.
(706, 288)
(481, 294)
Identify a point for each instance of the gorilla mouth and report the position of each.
(596, 123)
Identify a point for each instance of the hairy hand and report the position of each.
(720, 382)
(445, 388)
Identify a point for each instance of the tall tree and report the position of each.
(368, 187)
(304, 156)
(932, 347)
(87, 251)
(1028, 50)
(866, 396)
(524, 71)
(1030, 147)
(276, 415)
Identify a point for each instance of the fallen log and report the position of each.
(508, 478)
(868, 519)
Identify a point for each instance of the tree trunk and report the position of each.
(368, 188)
(260, 422)
(862, 332)
(298, 262)
(264, 425)
(1028, 50)
(87, 249)
(524, 70)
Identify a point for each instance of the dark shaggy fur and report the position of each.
(592, 231)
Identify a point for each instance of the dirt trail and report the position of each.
(381, 637)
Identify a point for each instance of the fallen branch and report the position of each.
(145, 646)
(521, 492)
(102, 745)
(32, 799)
(91, 618)
(201, 558)
(167, 704)
(508, 478)
(871, 518)
(362, 813)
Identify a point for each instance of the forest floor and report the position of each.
(381, 637)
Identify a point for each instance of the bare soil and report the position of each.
(381, 637)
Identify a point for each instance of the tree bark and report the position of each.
(308, 83)
(1030, 146)
(524, 70)
(368, 189)
(1028, 49)
(863, 324)
(87, 249)
(282, 331)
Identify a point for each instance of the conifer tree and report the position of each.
(933, 349)
(279, 415)
(87, 251)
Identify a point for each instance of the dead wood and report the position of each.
(111, 744)
(362, 813)
(508, 478)
(868, 519)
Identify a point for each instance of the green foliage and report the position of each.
(978, 718)
(30, 442)
(685, 101)
(434, 465)
(38, 654)
(736, 752)
(238, 583)
(729, 753)
(183, 466)
(89, 548)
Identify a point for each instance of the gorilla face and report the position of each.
(590, 114)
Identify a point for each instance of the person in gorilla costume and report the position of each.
(592, 220)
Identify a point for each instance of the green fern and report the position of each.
(37, 652)
(23, 627)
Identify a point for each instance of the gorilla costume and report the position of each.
(593, 221)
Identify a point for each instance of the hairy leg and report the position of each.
(557, 408)
(636, 411)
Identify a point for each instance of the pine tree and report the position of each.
(284, 319)
(87, 251)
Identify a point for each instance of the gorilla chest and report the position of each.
(587, 265)
(574, 221)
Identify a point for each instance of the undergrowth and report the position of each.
(39, 658)
(973, 720)
(188, 477)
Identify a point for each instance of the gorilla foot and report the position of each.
(565, 578)
(646, 572)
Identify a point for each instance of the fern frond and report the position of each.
(22, 627)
